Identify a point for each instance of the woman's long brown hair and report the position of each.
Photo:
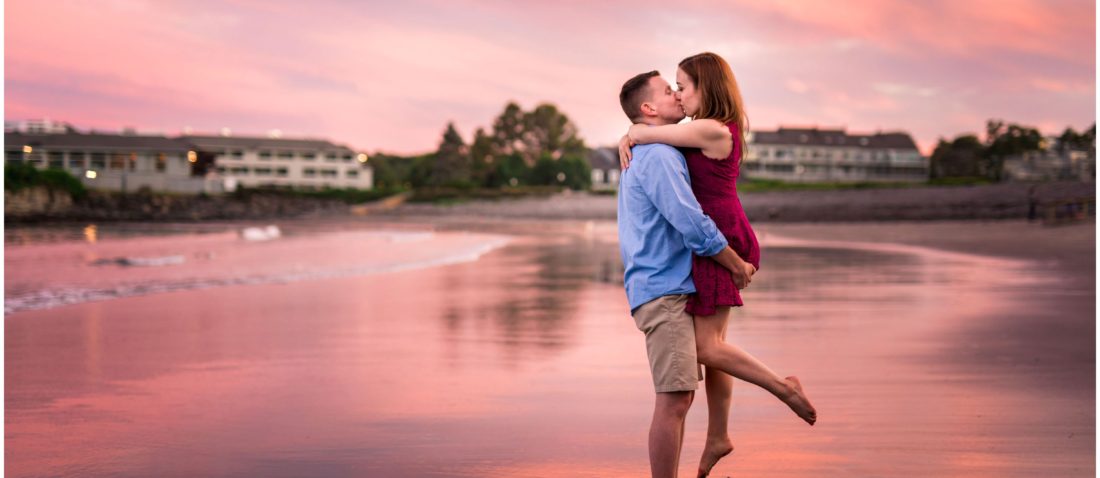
(719, 96)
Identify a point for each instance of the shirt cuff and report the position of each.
(714, 245)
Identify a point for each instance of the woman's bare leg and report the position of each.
(738, 363)
(719, 388)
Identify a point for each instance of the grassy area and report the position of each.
(348, 196)
(23, 175)
(764, 185)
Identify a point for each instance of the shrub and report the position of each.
(19, 176)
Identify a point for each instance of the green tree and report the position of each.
(545, 130)
(1003, 141)
(508, 130)
(1072, 140)
(420, 172)
(481, 158)
(509, 170)
(963, 157)
(577, 172)
(451, 165)
(549, 131)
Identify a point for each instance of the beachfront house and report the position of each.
(116, 162)
(1051, 164)
(833, 155)
(271, 161)
(605, 168)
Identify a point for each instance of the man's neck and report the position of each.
(654, 121)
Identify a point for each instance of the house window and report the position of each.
(13, 156)
(347, 158)
(309, 156)
(309, 172)
(597, 176)
(236, 154)
(328, 173)
(265, 155)
(239, 170)
(330, 157)
(133, 162)
(285, 155)
(162, 162)
(352, 173)
(281, 172)
(99, 161)
(262, 171)
(56, 160)
(118, 161)
(76, 161)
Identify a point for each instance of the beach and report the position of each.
(470, 346)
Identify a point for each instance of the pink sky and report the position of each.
(389, 75)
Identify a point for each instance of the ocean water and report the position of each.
(415, 350)
(54, 268)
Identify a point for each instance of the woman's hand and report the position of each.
(634, 130)
(742, 275)
(624, 151)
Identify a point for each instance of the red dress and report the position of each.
(715, 186)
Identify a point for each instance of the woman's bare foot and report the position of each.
(712, 452)
(796, 399)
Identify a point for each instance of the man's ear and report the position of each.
(648, 109)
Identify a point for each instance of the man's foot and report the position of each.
(796, 399)
(712, 452)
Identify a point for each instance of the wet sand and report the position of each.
(526, 363)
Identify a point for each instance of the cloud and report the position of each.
(899, 89)
(390, 76)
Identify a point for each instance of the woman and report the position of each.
(708, 93)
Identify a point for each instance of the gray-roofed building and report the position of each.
(299, 163)
(833, 155)
(1051, 164)
(605, 168)
(112, 161)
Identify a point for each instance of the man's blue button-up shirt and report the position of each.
(660, 225)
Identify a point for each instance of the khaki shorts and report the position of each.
(670, 343)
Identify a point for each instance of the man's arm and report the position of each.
(742, 270)
(665, 180)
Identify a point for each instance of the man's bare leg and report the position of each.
(666, 432)
(739, 363)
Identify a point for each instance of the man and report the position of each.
(660, 226)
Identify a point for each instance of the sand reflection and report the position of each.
(525, 363)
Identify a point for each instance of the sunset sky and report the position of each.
(388, 76)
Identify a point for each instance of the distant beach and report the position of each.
(993, 201)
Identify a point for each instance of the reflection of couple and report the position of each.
(688, 248)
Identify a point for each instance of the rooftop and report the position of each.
(70, 140)
(834, 137)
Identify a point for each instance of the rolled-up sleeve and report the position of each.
(669, 187)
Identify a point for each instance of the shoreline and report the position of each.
(926, 203)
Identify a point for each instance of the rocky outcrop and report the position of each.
(145, 206)
(38, 201)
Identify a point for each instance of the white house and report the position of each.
(299, 163)
(605, 168)
(826, 155)
(111, 161)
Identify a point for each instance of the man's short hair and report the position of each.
(635, 92)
